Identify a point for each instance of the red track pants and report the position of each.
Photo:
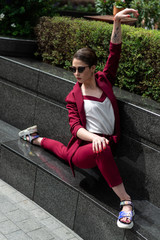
(84, 157)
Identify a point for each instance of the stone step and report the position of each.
(138, 162)
(85, 203)
(17, 47)
(34, 93)
(139, 116)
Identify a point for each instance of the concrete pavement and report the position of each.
(23, 219)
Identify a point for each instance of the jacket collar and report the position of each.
(80, 103)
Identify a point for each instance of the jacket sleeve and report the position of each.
(74, 118)
(110, 69)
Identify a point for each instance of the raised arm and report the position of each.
(116, 36)
(111, 66)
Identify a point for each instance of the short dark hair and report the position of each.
(86, 55)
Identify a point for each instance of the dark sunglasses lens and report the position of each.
(81, 69)
(72, 69)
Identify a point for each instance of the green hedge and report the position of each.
(139, 69)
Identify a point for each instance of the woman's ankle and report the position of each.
(125, 198)
(121, 192)
(37, 141)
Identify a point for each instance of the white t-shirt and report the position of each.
(99, 115)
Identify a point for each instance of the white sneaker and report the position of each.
(28, 131)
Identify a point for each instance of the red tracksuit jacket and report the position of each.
(75, 105)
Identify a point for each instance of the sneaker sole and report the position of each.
(28, 131)
(125, 225)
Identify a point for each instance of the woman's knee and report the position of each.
(84, 157)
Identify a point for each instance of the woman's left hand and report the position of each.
(125, 13)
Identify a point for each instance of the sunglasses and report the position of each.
(80, 69)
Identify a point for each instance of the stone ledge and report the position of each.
(134, 156)
(84, 203)
(55, 83)
(25, 108)
(37, 173)
(61, 74)
(20, 100)
(28, 88)
(17, 47)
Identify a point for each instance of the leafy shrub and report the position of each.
(139, 69)
(70, 6)
(104, 7)
(149, 12)
(120, 3)
(18, 18)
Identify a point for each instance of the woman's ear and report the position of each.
(93, 68)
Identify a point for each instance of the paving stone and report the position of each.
(7, 227)
(27, 205)
(18, 215)
(40, 213)
(2, 198)
(40, 234)
(2, 184)
(76, 238)
(7, 207)
(29, 225)
(7, 189)
(51, 223)
(2, 217)
(18, 235)
(22, 219)
(2, 237)
(64, 232)
(17, 197)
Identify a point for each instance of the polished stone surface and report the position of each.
(17, 47)
(7, 132)
(45, 68)
(17, 172)
(138, 154)
(17, 106)
(99, 223)
(26, 150)
(140, 169)
(89, 181)
(96, 202)
(19, 74)
(55, 83)
(54, 87)
(140, 123)
(122, 95)
(56, 197)
(136, 100)
(52, 120)
(147, 219)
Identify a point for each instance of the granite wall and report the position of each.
(34, 93)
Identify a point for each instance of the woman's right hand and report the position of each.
(125, 13)
(99, 144)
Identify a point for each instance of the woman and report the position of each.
(93, 119)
